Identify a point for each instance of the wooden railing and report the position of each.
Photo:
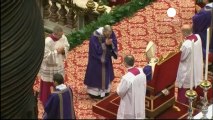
(69, 14)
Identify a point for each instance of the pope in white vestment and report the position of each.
(132, 91)
(152, 60)
(56, 49)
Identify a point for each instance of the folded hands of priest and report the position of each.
(108, 41)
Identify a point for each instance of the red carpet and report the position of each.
(133, 34)
(108, 107)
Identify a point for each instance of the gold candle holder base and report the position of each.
(191, 95)
(205, 85)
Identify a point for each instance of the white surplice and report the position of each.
(132, 90)
(52, 61)
(184, 70)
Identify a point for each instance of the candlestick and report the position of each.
(207, 53)
(206, 85)
(191, 95)
(192, 66)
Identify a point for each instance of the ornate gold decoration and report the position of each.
(147, 104)
(165, 92)
(167, 56)
(90, 4)
(101, 8)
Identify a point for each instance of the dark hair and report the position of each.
(129, 60)
(58, 78)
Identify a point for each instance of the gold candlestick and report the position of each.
(205, 85)
(191, 95)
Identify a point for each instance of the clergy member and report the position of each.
(60, 102)
(132, 91)
(56, 49)
(201, 21)
(184, 73)
(152, 60)
(99, 73)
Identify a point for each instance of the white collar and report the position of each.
(61, 87)
(100, 30)
(210, 4)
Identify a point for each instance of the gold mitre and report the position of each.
(150, 50)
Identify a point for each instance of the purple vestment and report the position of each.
(60, 105)
(201, 21)
(148, 72)
(99, 71)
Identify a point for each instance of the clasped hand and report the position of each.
(60, 50)
(108, 41)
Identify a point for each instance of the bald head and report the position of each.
(107, 31)
(129, 60)
(186, 30)
(107, 28)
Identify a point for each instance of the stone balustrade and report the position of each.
(69, 14)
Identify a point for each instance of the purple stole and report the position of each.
(134, 71)
(53, 37)
(191, 37)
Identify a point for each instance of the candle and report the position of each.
(192, 66)
(207, 52)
